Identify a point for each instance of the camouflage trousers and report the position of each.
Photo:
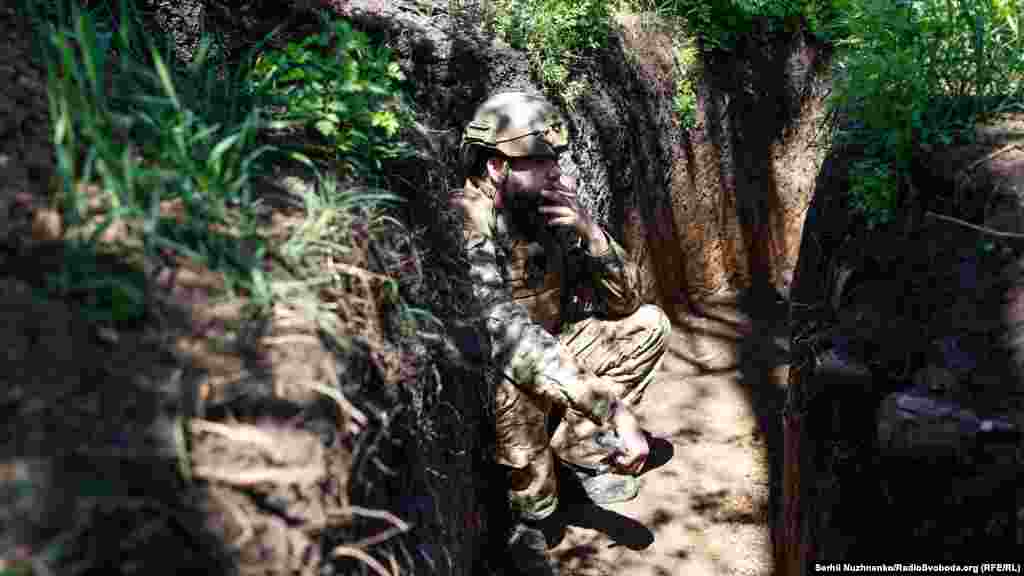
(625, 354)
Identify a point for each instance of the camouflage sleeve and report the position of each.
(615, 279)
(523, 350)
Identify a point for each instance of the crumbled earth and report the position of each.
(714, 410)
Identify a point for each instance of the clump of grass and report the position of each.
(144, 133)
(346, 235)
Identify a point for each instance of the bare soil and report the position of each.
(714, 413)
(705, 504)
(731, 209)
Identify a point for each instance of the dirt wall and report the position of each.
(904, 403)
(737, 185)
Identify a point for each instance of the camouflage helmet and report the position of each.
(515, 124)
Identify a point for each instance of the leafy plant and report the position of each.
(684, 101)
(136, 133)
(343, 89)
(922, 71)
(719, 25)
(144, 133)
(555, 33)
(873, 191)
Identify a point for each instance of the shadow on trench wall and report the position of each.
(716, 207)
(759, 108)
(759, 105)
(629, 120)
(719, 207)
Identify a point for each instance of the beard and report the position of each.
(527, 223)
(522, 212)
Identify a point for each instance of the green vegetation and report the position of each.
(556, 34)
(907, 73)
(917, 73)
(719, 25)
(345, 88)
(873, 191)
(143, 132)
(684, 101)
(136, 133)
(168, 164)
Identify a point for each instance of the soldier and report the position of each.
(573, 344)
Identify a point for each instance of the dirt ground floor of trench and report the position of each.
(712, 414)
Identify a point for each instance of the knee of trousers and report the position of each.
(521, 426)
(655, 320)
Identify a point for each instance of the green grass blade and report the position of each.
(214, 162)
(161, 242)
(165, 78)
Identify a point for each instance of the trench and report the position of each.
(715, 215)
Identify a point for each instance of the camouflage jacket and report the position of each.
(529, 286)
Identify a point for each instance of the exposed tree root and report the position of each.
(255, 476)
(362, 557)
(982, 229)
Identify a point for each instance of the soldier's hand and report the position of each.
(634, 448)
(562, 208)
